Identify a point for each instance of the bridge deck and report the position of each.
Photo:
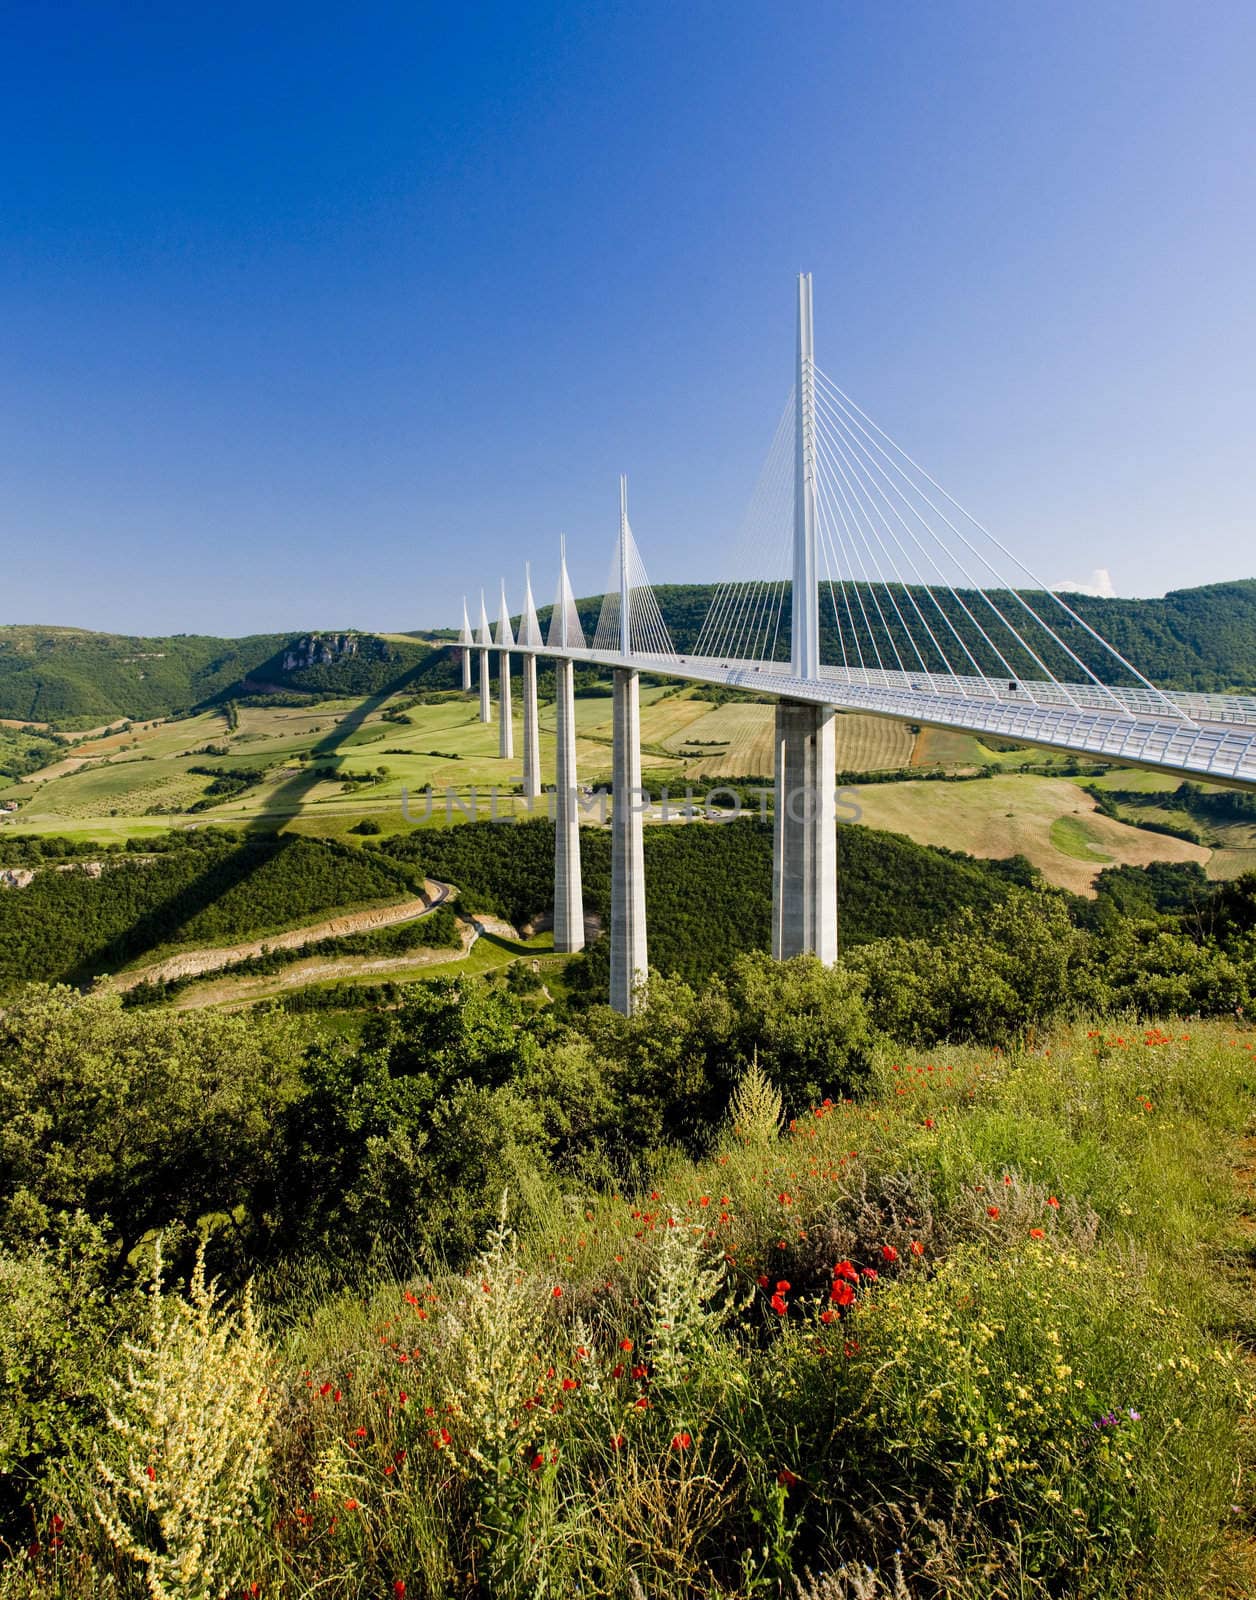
(1210, 736)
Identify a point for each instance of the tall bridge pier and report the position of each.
(530, 634)
(568, 880)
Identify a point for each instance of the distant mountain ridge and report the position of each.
(1201, 639)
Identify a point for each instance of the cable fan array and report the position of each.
(647, 632)
(914, 596)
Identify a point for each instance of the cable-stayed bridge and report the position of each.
(856, 583)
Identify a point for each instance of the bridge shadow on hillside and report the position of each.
(161, 924)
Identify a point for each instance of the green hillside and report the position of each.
(73, 678)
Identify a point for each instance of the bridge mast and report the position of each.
(805, 596)
(628, 931)
(804, 865)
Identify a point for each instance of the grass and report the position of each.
(1072, 838)
(1018, 813)
(980, 1333)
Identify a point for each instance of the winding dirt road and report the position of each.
(195, 963)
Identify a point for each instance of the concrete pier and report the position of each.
(531, 732)
(506, 737)
(804, 858)
(486, 693)
(466, 669)
(628, 933)
(568, 885)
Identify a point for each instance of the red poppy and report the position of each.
(1036, 1233)
(617, 1441)
(558, 1291)
(828, 1316)
(928, 1122)
(441, 1439)
(152, 1474)
(778, 1304)
(917, 1249)
(841, 1294)
(782, 1287)
(889, 1253)
(1053, 1202)
(625, 1344)
(536, 1463)
(643, 1402)
(992, 1211)
(571, 1383)
(787, 1478)
(763, 1280)
(681, 1441)
(399, 1588)
(844, 1269)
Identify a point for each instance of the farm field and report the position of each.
(1049, 820)
(128, 783)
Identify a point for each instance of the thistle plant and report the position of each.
(188, 1441)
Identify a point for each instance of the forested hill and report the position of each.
(1201, 639)
(71, 677)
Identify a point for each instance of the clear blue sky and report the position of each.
(312, 313)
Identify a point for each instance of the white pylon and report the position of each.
(465, 640)
(485, 640)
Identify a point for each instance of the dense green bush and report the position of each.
(72, 926)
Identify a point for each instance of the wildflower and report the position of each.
(889, 1253)
(325, 1390)
(782, 1287)
(617, 1441)
(558, 1291)
(351, 1505)
(625, 1344)
(844, 1269)
(441, 1439)
(1036, 1233)
(617, 1371)
(536, 1463)
(929, 1122)
(1053, 1203)
(336, 1397)
(641, 1372)
(643, 1402)
(787, 1478)
(828, 1316)
(841, 1294)
(152, 1474)
(681, 1441)
(411, 1300)
(778, 1304)
(399, 1588)
(1136, 1416)
(571, 1383)
(870, 1272)
(992, 1211)
(917, 1249)
(402, 1397)
(360, 1433)
(704, 1200)
(763, 1280)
